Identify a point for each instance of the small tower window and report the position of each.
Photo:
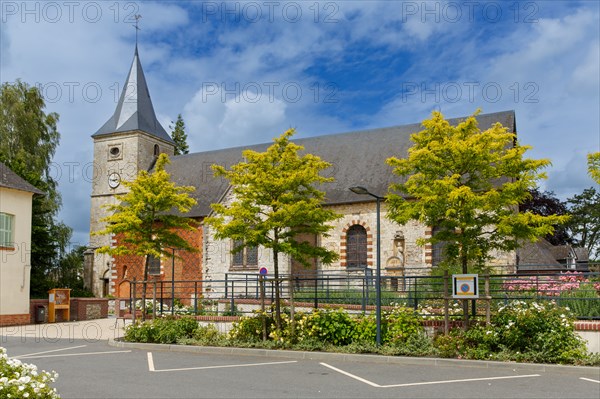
(115, 151)
(156, 150)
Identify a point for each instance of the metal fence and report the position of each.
(240, 293)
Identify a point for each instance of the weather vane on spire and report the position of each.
(137, 28)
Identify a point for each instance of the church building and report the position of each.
(132, 138)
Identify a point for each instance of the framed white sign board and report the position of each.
(465, 286)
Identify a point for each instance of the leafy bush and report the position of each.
(519, 331)
(250, 328)
(22, 380)
(543, 331)
(331, 326)
(365, 329)
(400, 324)
(164, 330)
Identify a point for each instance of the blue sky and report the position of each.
(242, 72)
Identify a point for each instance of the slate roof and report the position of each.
(543, 256)
(357, 158)
(134, 110)
(10, 179)
(538, 254)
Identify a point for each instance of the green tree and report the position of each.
(585, 220)
(275, 199)
(69, 273)
(469, 183)
(180, 137)
(28, 141)
(148, 217)
(594, 166)
(546, 204)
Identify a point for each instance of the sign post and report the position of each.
(465, 287)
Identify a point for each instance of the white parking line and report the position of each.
(78, 354)
(589, 379)
(153, 369)
(424, 383)
(53, 350)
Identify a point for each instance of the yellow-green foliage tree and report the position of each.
(469, 183)
(148, 217)
(275, 200)
(594, 166)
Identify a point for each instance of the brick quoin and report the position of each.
(188, 266)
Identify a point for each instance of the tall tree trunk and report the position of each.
(465, 302)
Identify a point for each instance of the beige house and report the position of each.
(15, 246)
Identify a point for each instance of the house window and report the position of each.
(156, 150)
(247, 257)
(356, 246)
(6, 230)
(153, 266)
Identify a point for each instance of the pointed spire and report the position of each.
(134, 110)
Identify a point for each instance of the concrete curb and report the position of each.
(346, 357)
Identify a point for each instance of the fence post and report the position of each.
(232, 302)
(195, 298)
(261, 282)
(316, 294)
(292, 320)
(132, 296)
(162, 299)
(154, 299)
(226, 286)
(446, 304)
(488, 299)
(416, 293)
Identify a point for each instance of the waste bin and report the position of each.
(40, 314)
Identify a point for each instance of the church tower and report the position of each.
(130, 141)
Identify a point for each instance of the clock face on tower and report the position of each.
(114, 180)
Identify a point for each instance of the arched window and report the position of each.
(356, 246)
(156, 150)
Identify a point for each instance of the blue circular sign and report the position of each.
(263, 271)
(465, 288)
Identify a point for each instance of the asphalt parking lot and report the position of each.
(91, 368)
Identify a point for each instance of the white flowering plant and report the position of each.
(22, 380)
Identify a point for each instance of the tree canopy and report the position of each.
(28, 141)
(594, 166)
(469, 184)
(275, 199)
(180, 137)
(585, 220)
(545, 203)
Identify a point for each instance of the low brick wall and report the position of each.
(13, 319)
(590, 332)
(81, 309)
